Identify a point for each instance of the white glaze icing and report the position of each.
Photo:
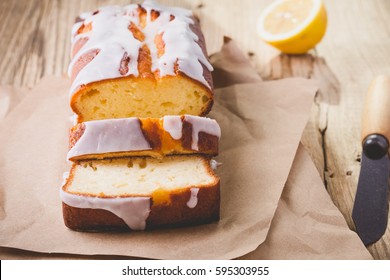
(174, 126)
(214, 164)
(65, 177)
(180, 42)
(111, 135)
(193, 201)
(111, 36)
(132, 210)
(73, 119)
(200, 125)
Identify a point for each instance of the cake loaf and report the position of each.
(141, 146)
(143, 60)
(156, 137)
(140, 193)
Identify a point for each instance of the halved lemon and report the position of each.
(293, 26)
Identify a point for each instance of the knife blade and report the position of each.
(370, 210)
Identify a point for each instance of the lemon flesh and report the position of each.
(293, 26)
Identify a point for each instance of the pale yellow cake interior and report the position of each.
(140, 176)
(133, 97)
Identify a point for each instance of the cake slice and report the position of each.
(155, 137)
(144, 60)
(140, 193)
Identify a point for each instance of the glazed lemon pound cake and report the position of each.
(141, 147)
(139, 193)
(156, 137)
(143, 60)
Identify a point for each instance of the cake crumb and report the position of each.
(93, 167)
(142, 163)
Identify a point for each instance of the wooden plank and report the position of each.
(363, 51)
(36, 41)
(355, 49)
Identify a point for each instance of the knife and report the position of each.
(370, 210)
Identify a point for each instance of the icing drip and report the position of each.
(132, 210)
(73, 119)
(65, 177)
(111, 38)
(199, 125)
(112, 135)
(174, 126)
(180, 42)
(214, 164)
(193, 201)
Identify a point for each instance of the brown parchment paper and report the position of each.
(231, 66)
(307, 225)
(261, 130)
(261, 127)
(10, 96)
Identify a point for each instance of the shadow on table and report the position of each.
(308, 66)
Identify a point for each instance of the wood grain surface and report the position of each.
(35, 41)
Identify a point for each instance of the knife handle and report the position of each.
(376, 113)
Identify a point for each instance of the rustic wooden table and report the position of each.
(35, 41)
